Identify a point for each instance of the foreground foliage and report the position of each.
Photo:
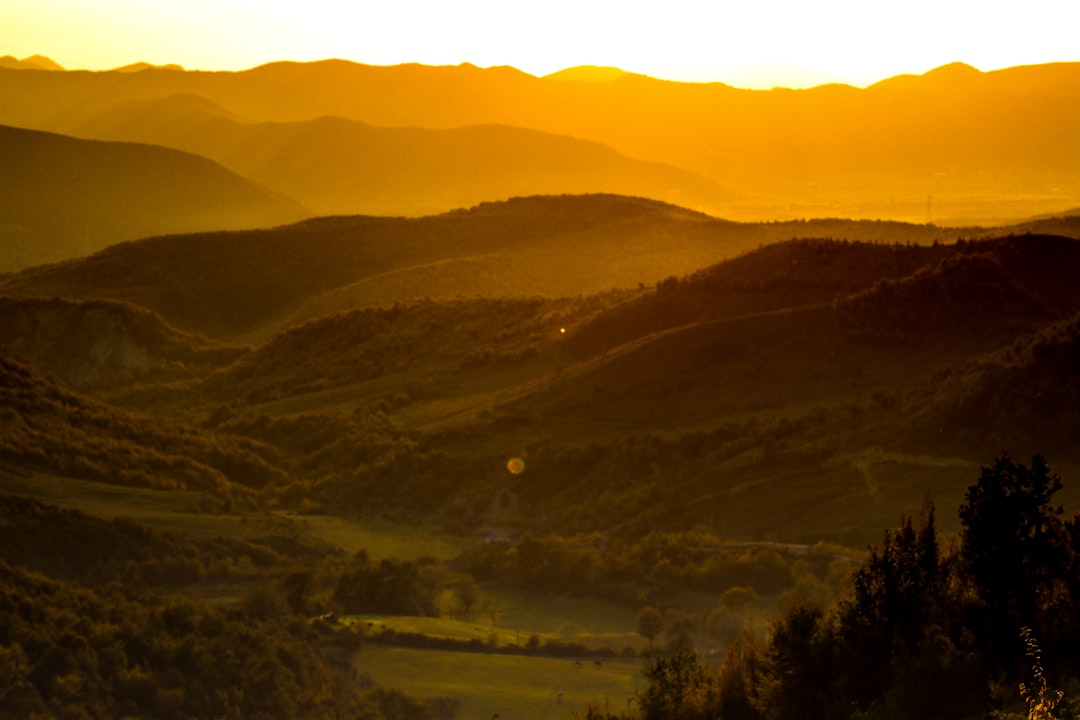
(70, 652)
(929, 631)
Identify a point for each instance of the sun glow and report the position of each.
(750, 44)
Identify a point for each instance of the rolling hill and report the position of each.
(553, 246)
(65, 197)
(48, 428)
(338, 166)
(540, 245)
(850, 377)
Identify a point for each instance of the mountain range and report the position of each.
(65, 197)
(555, 355)
(953, 145)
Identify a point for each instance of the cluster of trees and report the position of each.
(389, 586)
(45, 426)
(454, 336)
(962, 293)
(71, 652)
(70, 545)
(766, 279)
(990, 400)
(656, 566)
(930, 630)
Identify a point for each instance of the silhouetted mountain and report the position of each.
(984, 147)
(954, 76)
(337, 166)
(65, 197)
(34, 62)
(140, 66)
(587, 73)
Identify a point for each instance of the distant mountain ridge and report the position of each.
(65, 197)
(34, 62)
(338, 166)
(985, 146)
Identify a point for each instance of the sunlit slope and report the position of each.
(550, 246)
(339, 166)
(980, 146)
(65, 197)
(721, 399)
(48, 428)
(793, 391)
(231, 283)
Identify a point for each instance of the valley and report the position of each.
(500, 411)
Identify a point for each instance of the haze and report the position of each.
(439, 362)
(761, 44)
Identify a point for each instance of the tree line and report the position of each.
(987, 624)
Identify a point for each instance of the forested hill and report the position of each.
(544, 245)
(851, 376)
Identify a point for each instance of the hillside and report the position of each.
(338, 166)
(550, 246)
(832, 374)
(65, 197)
(984, 147)
(98, 345)
(397, 364)
(45, 427)
(541, 245)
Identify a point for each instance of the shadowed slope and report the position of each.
(338, 166)
(66, 197)
(96, 345)
(44, 426)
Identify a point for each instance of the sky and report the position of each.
(747, 43)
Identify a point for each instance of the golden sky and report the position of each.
(748, 43)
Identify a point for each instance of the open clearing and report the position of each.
(515, 687)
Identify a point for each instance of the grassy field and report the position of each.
(515, 687)
(175, 511)
(513, 616)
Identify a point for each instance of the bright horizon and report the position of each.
(762, 44)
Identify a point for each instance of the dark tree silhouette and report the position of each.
(1014, 543)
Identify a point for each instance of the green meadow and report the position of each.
(514, 687)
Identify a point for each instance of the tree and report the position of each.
(1014, 543)
(896, 596)
(739, 598)
(798, 668)
(723, 626)
(650, 623)
(677, 689)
